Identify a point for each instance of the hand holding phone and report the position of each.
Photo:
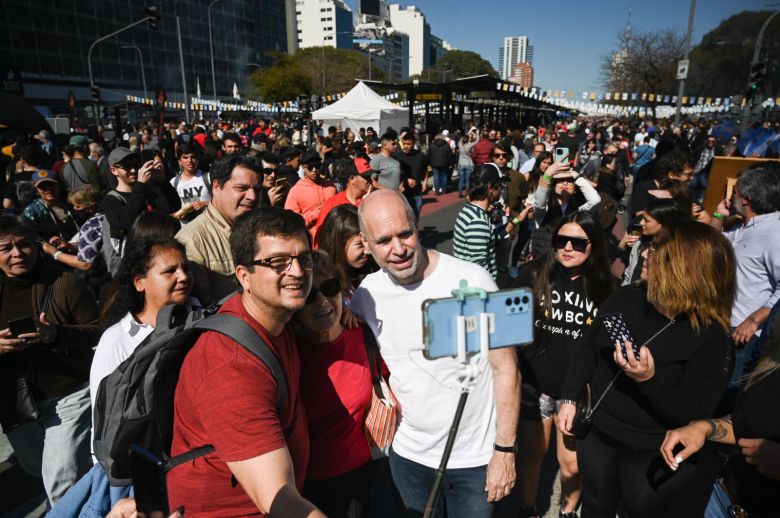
(617, 330)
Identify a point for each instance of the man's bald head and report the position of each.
(384, 198)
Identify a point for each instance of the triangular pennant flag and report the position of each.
(235, 92)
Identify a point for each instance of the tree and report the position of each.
(644, 63)
(458, 63)
(720, 63)
(314, 70)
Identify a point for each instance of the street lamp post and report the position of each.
(140, 64)
(756, 59)
(444, 75)
(211, 51)
(92, 85)
(681, 88)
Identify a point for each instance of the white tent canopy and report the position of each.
(362, 107)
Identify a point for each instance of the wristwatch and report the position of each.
(505, 449)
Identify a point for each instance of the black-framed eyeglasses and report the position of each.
(579, 244)
(500, 155)
(282, 263)
(328, 288)
(268, 170)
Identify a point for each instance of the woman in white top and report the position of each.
(153, 274)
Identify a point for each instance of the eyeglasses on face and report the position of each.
(130, 166)
(579, 244)
(500, 155)
(282, 263)
(328, 288)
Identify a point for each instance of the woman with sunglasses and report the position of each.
(336, 390)
(560, 192)
(674, 371)
(570, 282)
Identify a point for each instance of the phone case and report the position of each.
(510, 317)
(617, 330)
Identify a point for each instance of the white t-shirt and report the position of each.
(194, 189)
(528, 165)
(116, 344)
(426, 389)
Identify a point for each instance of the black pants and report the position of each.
(341, 496)
(612, 474)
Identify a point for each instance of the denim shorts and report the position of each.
(535, 405)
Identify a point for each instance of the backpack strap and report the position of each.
(176, 180)
(241, 332)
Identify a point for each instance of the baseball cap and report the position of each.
(445, 132)
(363, 168)
(120, 154)
(43, 175)
(79, 140)
(310, 157)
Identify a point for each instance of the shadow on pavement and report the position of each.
(432, 237)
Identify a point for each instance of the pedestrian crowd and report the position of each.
(653, 371)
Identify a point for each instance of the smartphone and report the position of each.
(21, 326)
(509, 321)
(635, 229)
(617, 330)
(151, 491)
(281, 181)
(561, 154)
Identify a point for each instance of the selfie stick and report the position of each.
(470, 375)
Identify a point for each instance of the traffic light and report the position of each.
(153, 14)
(757, 71)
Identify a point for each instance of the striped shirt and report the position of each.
(475, 238)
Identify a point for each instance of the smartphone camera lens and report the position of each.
(517, 301)
(508, 302)
(525, 299)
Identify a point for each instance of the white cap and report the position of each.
(445, 132)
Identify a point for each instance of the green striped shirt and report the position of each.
(475, 238)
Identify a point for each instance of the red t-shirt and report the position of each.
(226, 397)
(336, 391)
(330, 204)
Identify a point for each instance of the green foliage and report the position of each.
(458, 63)
(720, 63)
(302, 74)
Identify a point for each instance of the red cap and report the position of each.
(363, 167)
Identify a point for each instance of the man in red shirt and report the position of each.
(482, 150)
(357, 180)
(227, 398)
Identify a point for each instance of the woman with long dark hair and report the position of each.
(671, 366)
(339, 237)
(659, 212)
(570, 282)
(153, 273)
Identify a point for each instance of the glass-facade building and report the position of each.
(49, 40)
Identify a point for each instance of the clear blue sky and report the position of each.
(569, 36)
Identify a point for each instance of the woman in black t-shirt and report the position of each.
(751, 476)
(684, 366)
(570, 282)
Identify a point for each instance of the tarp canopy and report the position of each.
(362, 107)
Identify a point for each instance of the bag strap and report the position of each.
(73, 167)
(619, 372)
(374, 364)
(241, 332)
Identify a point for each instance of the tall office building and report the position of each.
(516, 49)
(523, 75)
(411, 21)
(49, 44)
(323, 23)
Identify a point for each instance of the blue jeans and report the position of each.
(441, 177)
(55, 446)
(719, 503)
(463, 490)
(415, 201)
(745, 360)
(464, 176)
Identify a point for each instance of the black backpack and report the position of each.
(134, 404)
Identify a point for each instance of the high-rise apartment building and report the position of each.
(516, 49)
(323, 23)
(411, 21)
(523, 75)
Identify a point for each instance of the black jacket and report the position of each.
(440, 154)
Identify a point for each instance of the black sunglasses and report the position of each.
(500, 155)
(579, 244)
(128, 166)
(328, 288)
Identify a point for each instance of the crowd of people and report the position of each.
(654, 363)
